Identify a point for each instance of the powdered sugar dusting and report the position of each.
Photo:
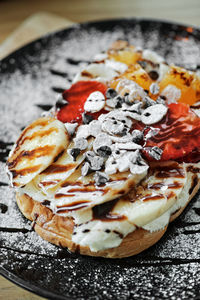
(168, 270)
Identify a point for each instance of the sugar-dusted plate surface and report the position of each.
(30, 80)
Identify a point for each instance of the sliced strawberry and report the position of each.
(179, 135)
(76, 96)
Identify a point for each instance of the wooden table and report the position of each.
(13, 12)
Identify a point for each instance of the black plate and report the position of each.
(30, 80)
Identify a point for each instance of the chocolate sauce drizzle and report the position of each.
(45, 107)
(14, 230)
(59, 73)
(3, 183)
(4, 150)
(102, 212)
(3, 208)
(76, 62)
(58, 90)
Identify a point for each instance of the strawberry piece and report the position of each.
(76, 96)
(179, 135)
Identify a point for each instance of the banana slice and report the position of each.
(78, 192)
(156, 194)
(60, 170)
(148, 206)
(37, 147)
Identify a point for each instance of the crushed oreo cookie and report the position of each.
(153, 114)
(151, 132)
(154, 88)
(94, 128)
(60, 102)
(71, 127)
(147, 102)
(80, 143)
(137, 136)
(124, 161)
(131, 90)
(96, 162)
(87, 118)
(83, 131)
(154, 152)
(116, 123)
(85, 170)
(134, 108)
(104, 151)
(75, 153)
(115, 102)
(128, 146)
(111, 93)
(139, 168)
(101, 140)
(161, 100)
(100, 178)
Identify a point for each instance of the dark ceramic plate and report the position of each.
(30, 80)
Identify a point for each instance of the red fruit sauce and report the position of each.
(179, 135)
(179, 130)
(76, 96)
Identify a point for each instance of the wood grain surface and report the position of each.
(14, 12)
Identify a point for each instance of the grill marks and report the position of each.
(25, 171)
(150, 197)
(30, 155)
(160, 185)
(38, 146)
(38, 123)
(193, 169)
(56, 168)
(172, 170)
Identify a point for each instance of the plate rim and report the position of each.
(43, 292)
(90, 23)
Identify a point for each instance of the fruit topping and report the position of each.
(178, 133)
(76, 97)
(184, 85)
(153, 114)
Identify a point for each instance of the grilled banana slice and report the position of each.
(37, 147)
(79, 192)
(61, 169)
(155, 195)
(149, 205)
